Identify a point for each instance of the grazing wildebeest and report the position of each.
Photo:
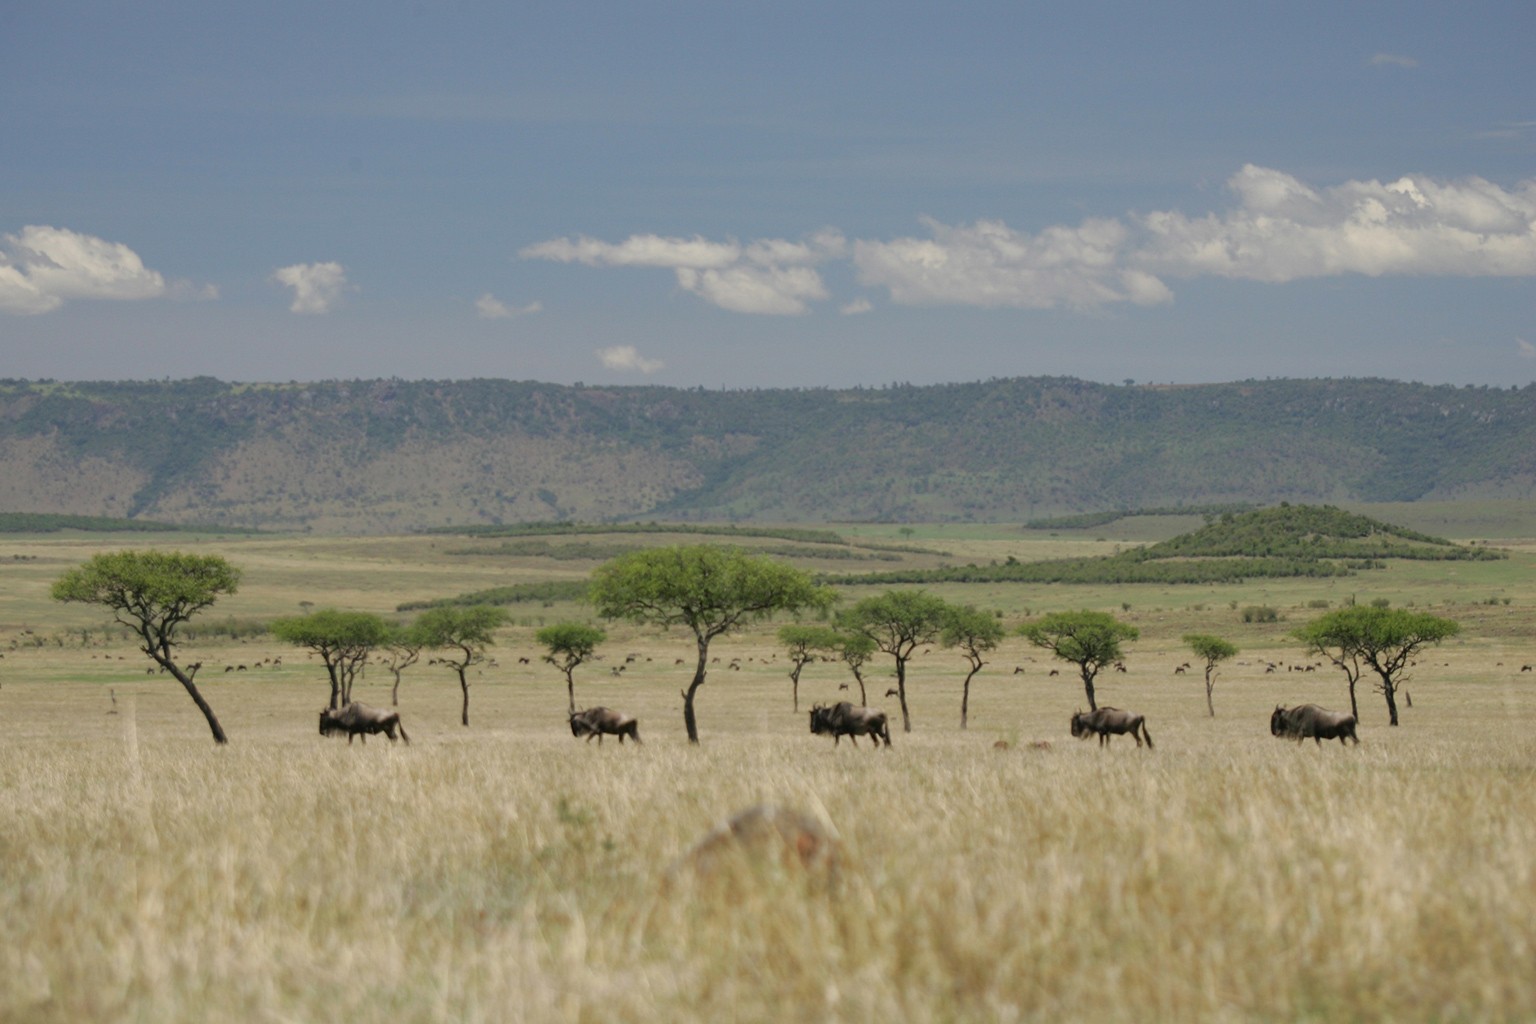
(843, 719)
(1305, 720)
(600, 721)
(1107, 720)
(360, 720)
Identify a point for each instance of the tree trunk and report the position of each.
(1088, 689)
(197, 698)
(1391, 694)
(794, 677)
(464, 685)
(394, 694)
(1354, 708)
(690, 722)
(1210, 685)
(901, 693)
(335, 686)
(863, 697)
(965, 699)
(570, 692)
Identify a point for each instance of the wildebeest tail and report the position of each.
(1145, 734)
(401, 726)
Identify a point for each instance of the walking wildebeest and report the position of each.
(1107, 720)
(360, 720)
(1305, 720)
(843, 719)
(600, 721)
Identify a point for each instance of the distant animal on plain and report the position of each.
(357, 719)
(1107, 721)
(600, 722)
(1309, 720)
(892, 692)
(843, 719)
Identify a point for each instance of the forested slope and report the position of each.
(397, 455)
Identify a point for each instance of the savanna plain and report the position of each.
(505, 871)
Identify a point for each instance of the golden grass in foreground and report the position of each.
(507, 872)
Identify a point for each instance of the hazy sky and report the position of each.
(763, 194)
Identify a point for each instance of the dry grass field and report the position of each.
(506, 872)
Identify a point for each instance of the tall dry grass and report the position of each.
(507, 872)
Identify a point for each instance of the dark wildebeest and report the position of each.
(360, 720)
(843, 719)
(1305, 720)
(600, 721)
(1106, 721)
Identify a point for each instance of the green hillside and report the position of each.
(375, 456)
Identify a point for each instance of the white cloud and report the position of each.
(991, 264)
(42, 267)
(1283, 230)
(855, 307)
(771, 276)
(317, 287)
(1395, 60)
(627, 359)
(1525, 348)
(492, 308)
(1278, 229)
(637, 251)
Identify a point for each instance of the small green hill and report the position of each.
(1283, 541)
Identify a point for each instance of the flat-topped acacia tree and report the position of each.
(1089, 640)
(898, 622)
(466, 632)
(569, 644)
(343, 640)
(1385, 639)
(710, 589)
(153, 593)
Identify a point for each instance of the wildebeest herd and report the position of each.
(1300, 723)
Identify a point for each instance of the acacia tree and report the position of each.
(400, 651)
(976, 633)
(708, 589)
(855, 649)
(569, 644)
(467, 631)
(343, 640)
(1089, 640)
(1212, 650)
(899, 622)
(1383, 639)
(153, 593)
(804, 642)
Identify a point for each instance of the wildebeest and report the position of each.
(600, 721)
(1305, 720)
(1106, 721)
(843, 719)
(360, 720)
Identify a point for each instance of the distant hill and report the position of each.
(1284, 541)
(391, 455)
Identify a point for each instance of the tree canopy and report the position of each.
(1382, 639)
(803, 642)
(343, 640)
(1090, 640)
(466, 631)
(898, 622)
(975, 633)
(153, 593)
(1212, 650)
(569, 644)
(709, 589)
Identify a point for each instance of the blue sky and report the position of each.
(768, 194)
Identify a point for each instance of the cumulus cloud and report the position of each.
(1277, 228)
(770, 276)
(1283, 229)
(491, 308)
(627, 359)
(42, 267)
(991, 264)
(317, 287)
